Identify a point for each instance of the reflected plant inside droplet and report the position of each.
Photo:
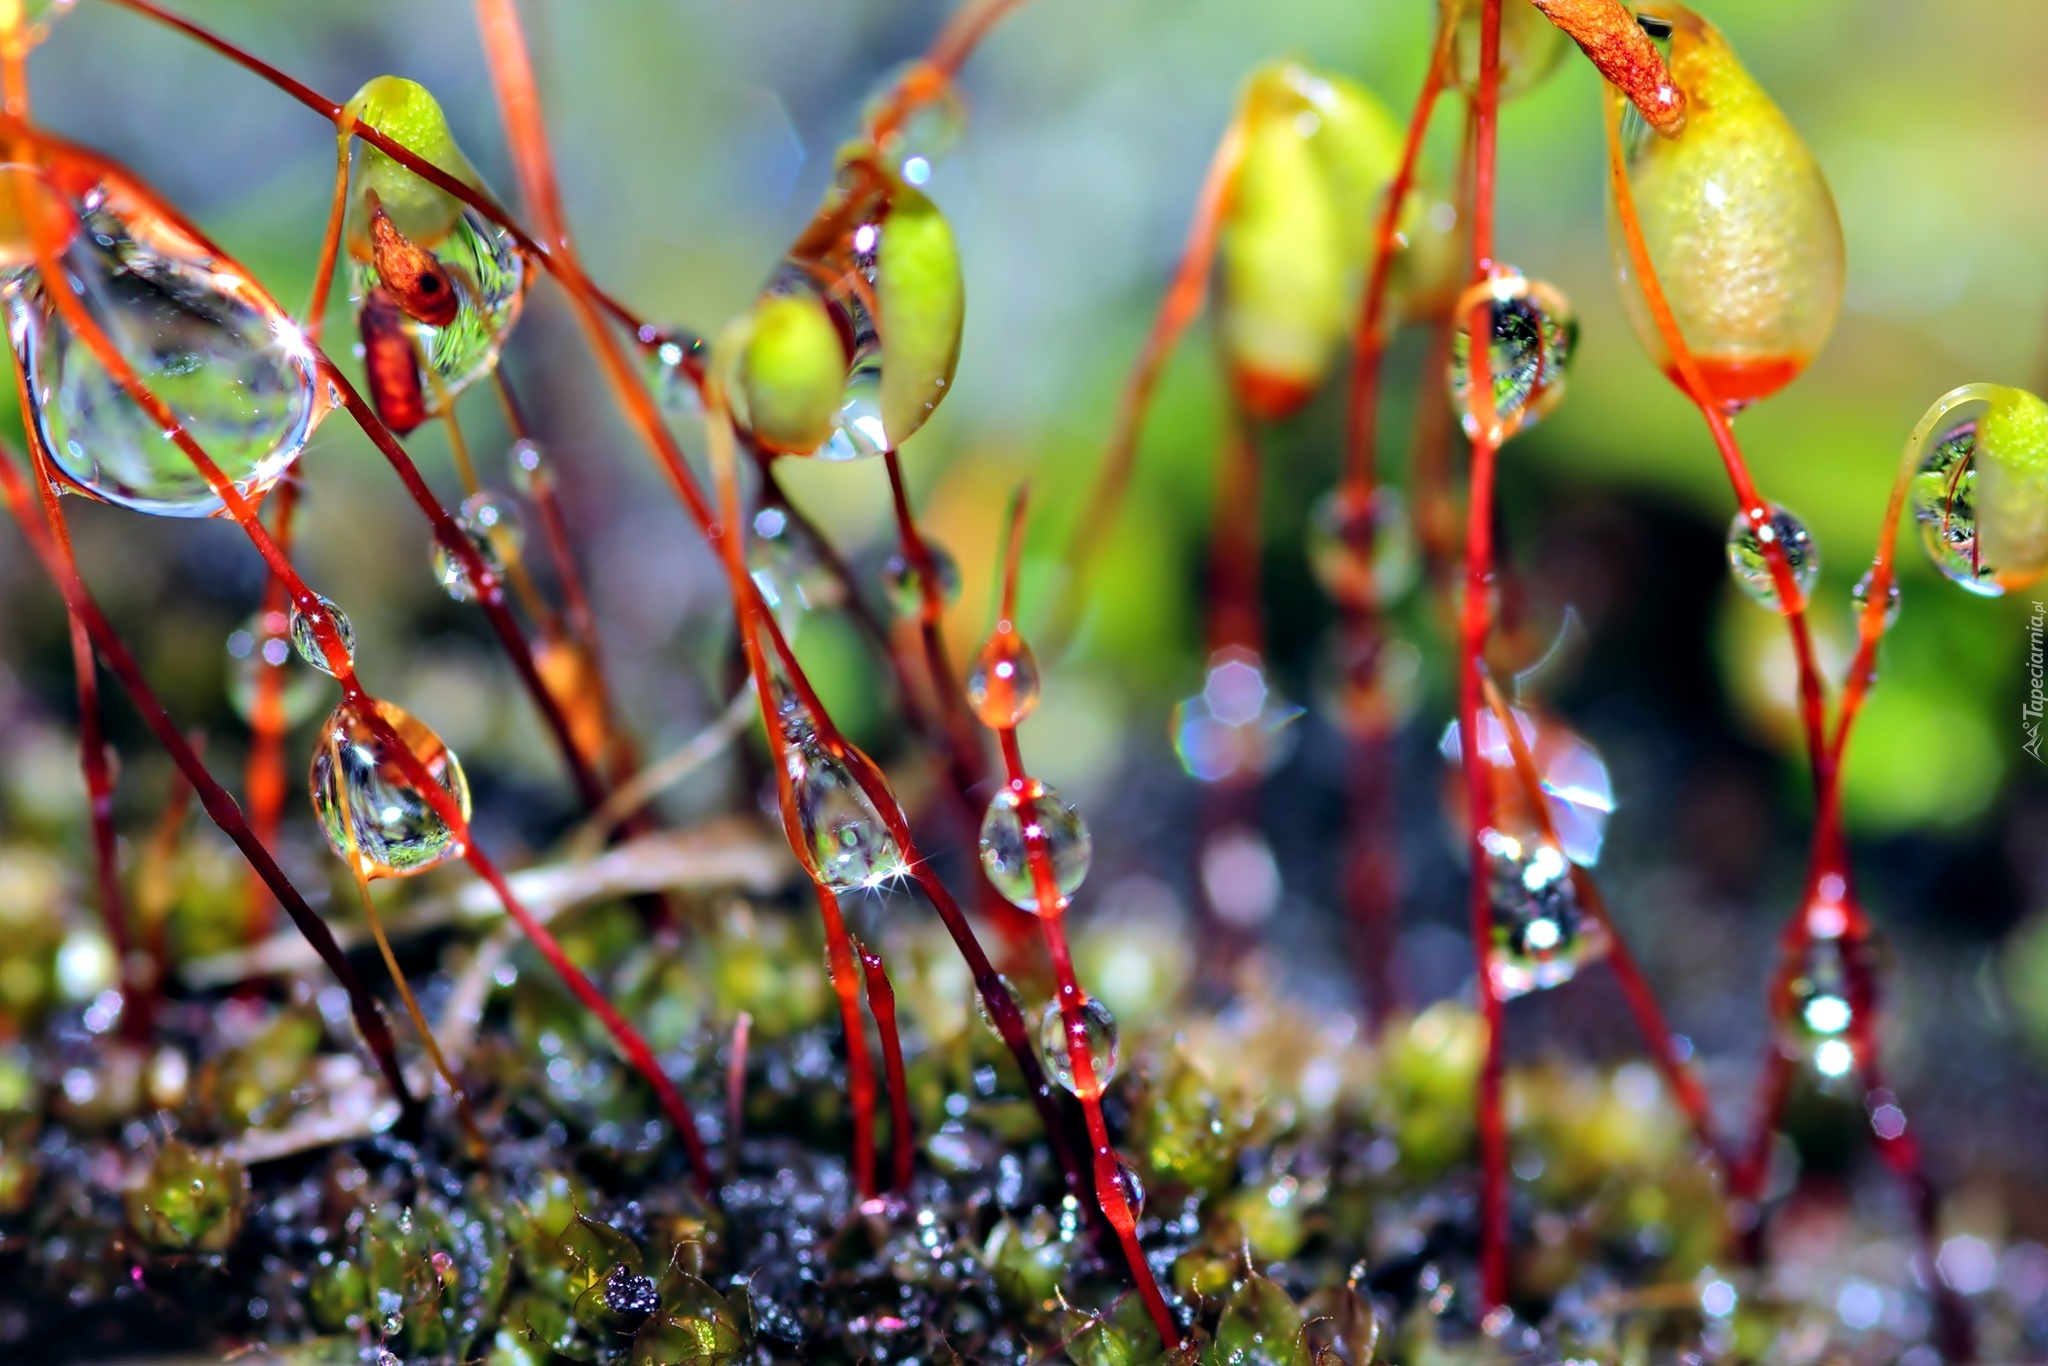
(1541, 933)
(846, 843)
(1532, 340)
(1100, 1029)
(1006, 834)
(306, 638)
(1980, 495)
(1749, 561)
(362, 795)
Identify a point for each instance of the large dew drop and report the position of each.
(1739, 223)
(1749, 560)
(1980, 495)
(433, 280)
(197, 331)
(1100, 1030)
(1541, 935)
(306, 636)
(362, 796)
(1014, 820)
(1533, 333)
(846, 844)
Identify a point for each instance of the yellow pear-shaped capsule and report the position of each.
(791, 372)
(923, 304)
(1980, 487)
(1739, 223)
(1319, 152)
(2012, 462)
(1530, 45)
(406, 113)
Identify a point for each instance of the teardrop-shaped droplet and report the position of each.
(1532, 341)
(193, 326)
(1578, 793)
(492, 526)
(395, 829)
(669, 359)
(1100, 1029)
(786, 568)
(1018, 817)
(1749, 561)
(1002, 685)
(847, 845)
(1826, 996)
(906, 585)
(1981, 494)
(257, 648)
(1236, 727)
(1739, 223)
(1130, 1186)
(1530, 45)
(988, 1020)
(1319, 151)
(306, 639)
(1362, 555)
(1541, 934)
(1859, 597)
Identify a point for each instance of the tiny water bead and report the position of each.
(1002, 685)
(1319, 151)
(1541, 933)
(189, 1201)
(1362, 551)
(394, 828)
(1980, 494)
(1100, 1030)
(668, 358)
(1236, 726)
(846, 843)
(1826, 997)
(196, 330)
(492, 525)
(1739, 223)
(1533, 335)
(988, 1019)
(1006, 835)
(1859, 598)
(788, 571)
(1749, 560)
(255, 649)
(906, 584)
(306, 640)
(1130, 1185)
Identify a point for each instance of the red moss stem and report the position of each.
(263, 779)
(860, 1068)
(882, 1005)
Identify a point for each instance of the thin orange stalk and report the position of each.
(882, 1005)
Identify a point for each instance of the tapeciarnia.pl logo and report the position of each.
(2037, 670)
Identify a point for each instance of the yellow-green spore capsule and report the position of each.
(922, 303)
(1739, 223)
(1530, 45)
(2012, 472)
(406, 113)
(792, 373)
(1318, 153)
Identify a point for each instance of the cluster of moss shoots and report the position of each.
(1314, 1196)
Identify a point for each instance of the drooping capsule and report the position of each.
(846, 843)
(1981, 492)
(193, 326)
(306, 636)
(1098, 1027)
(1236, 726)
(1541, 933)
(1002, 685)
(362, 794)
(1318, 153)
(1018, 816)
(1531, 344)
(428, 273)
(1749, 561)
(1530, 45)
(1739, 223)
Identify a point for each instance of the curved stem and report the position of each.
(882, 1005)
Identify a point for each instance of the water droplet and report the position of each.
(1101, 1032)
(788, 571)
(487, 273)
(1002, 685)
(1532, 340)
(1825, 999)
(220, 353)
(258, 647)
(667, 358)
(1859, 596)
(1735, 197)
(1006, 840)
(846, 842)
(1576, 786)
(397, 831)
(981, 1005)
(1530, 46)
(927, 131)
(1130, 1186)
(492, 526)
(1362, 556)
(1981, 496)
(906, 585)
(307, 641)
(527, 464)
(1751, 566)
(1541, 934)
(1235, 727)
